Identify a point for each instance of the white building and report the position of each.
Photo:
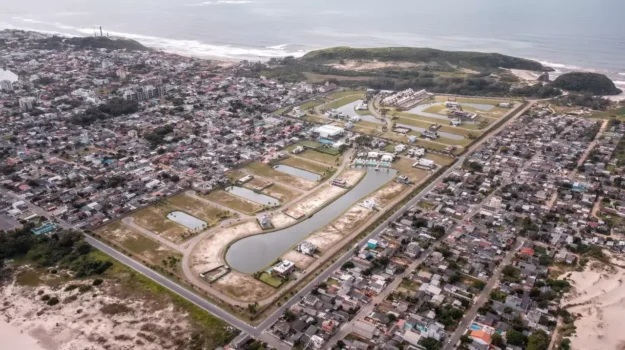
(284, 268)
(329, 131)
(6, 85)
(424, 163)
(27, 103)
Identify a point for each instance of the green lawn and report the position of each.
(316, 119)
(439, 159)
(197, 208)
(271, 280)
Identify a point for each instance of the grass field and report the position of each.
(154, 218)
(439, 159)
(342, 101)
(316, 119)
(322, 78)
(282, 193)
(271, 280)
(303, 164)
(404, 167)
(345, 93)
(136, 243)
(322, 157)
(308, 105)
(234, 202)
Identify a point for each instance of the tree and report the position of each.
(538, 341)
(479, 285)
(347, 265)
(497, 340)
(515, 337)
(431, 344)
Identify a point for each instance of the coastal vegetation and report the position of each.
(461, 73)
(587, 82)
(90, 42)
(447, 59)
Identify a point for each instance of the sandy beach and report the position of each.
(526, 75)
(13, 338)
(599, 302)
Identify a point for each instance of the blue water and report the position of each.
(566, 33)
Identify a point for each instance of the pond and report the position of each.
(370, 118)
(440, 133)
(254, 253)
(287, 169)
(350, 108)
(253, 196)
(186, 220)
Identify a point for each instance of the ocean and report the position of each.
(564, 34)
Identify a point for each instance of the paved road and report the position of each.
(481, 299)
(174, 287)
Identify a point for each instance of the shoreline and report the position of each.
(264, 54)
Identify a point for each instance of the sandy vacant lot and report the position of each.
(316, 200)
(599, 299)
(302, 261)
(357, 65)
(207, 253)
(96, 319)
(135, 242)
(244, 287)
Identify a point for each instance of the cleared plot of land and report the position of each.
(322, 157)
(207, 253)
(388, 193)
(315, 201)
(234, 202)
(270, 173)
(257, 184)
(302, 261)
(439, 159)
(343, 101)
(415, 120)
(211, 214)
(244, 287)
(136, 243)
(316, 119)
(285, 195)
(304, 164)
(154, 218)
(404, 167)
(308, 105)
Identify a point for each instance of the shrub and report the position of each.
(97, 281)
(53, 301)
(45, 297)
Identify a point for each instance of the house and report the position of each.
(329, 131)
(481, 337)
(283, 268)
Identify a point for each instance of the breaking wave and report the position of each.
(183, 47)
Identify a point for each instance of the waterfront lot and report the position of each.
(154, 218)
(268, 172)
(234, 202)
(201, 210)
(313, 167)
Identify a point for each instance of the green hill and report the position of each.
(585, 82)
(464, 59)
(102, 42)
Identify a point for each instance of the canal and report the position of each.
(253, 253)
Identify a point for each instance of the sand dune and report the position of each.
(599, 301)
